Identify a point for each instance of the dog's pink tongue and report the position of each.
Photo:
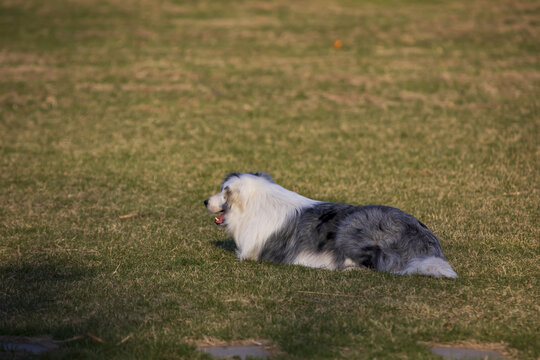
(219, 219)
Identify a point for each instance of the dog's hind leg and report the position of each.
(355, 254)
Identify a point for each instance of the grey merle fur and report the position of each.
(375, 236)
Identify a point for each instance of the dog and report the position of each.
(271, 223)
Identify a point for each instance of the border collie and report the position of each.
(271, 223)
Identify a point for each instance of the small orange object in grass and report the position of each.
(338, 44)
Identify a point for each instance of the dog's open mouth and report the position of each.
(219, 220)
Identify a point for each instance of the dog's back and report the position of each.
(339, 236)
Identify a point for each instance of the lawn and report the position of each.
(118, 118)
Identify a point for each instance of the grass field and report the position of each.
(109, 108)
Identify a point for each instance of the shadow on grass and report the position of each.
(34, 293)
(227, 244)
(57, 299)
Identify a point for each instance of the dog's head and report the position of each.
(236, 189)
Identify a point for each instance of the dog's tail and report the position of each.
(431, 266)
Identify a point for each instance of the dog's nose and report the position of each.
(206, 202)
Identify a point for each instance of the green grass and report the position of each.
(112, 107)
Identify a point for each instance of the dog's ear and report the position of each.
(228, 177)
(263, 175)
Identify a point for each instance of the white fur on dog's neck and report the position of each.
(264, 208)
